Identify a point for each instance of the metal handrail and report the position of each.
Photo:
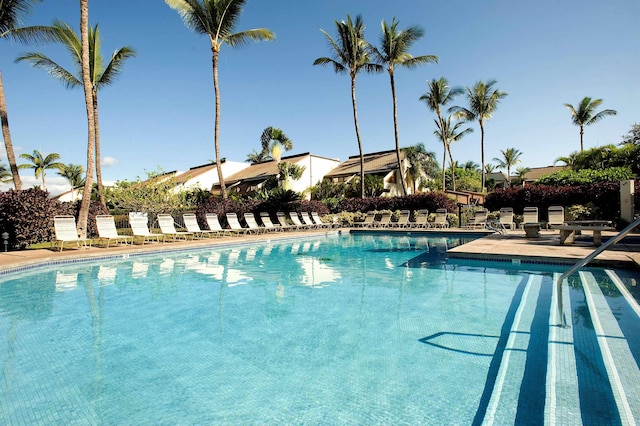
(620, 235)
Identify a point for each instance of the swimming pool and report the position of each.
(338, 329)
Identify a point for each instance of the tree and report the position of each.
(350, 55)
(273, 141)
(40, 164)
(510, 157)
(483, 101)
(5, 174)
(287, 172)
(449, 134)
(633, 136)
(73, 174)
(422, 165)
(585, 114)
(438, 95)
(489, 168)
(393, 51)
(10, 12)
(522, 172)
(83, 214)
(101, 75)
(217, 19)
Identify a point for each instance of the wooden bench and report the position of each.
(568, 232)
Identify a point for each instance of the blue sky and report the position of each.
(159, 112)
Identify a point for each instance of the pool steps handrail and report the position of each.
(611, 241)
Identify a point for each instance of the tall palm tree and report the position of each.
(10, 12)
(217, 19)
(585, 114)
(101, 75)
(438, 95)
(83, 214)
(73, 174)
(483, 101)
(350, 55)
(422, 164)
(450, 133)
(40, 164)
(510, 157)
(393, 52)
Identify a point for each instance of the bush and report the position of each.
(586, 176)
(28, 216)
(430, 201)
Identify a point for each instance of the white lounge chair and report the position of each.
(167, 227)
(506, 218)
(252, 224)
(441, 219)
(140, 229)
(368, 221)
(421, 219)
(556, 216)
(234, 224)
(192, 225)
(316, 218)
(384, 222)
(282, 220)
(479, 219)
(529, 215)
(214, 225)
(66, 232)
(306, 218)
(108, 233)
(265, 218)
(403, 220)
(295, 219)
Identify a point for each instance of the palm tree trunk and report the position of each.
(83, 217)
(395, 131)
(97, 148)
(355, 121)
(581, 133)
(216, 132)
(482, 171)
(444, 150)
(453, 168)
(11, 157)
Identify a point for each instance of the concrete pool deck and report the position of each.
(512, 245)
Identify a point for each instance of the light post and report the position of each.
(5, 240)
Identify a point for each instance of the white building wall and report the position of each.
(315, 170)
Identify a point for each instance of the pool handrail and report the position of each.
(611, 241)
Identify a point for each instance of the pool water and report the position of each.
(364, 329)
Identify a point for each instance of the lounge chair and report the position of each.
(479, 219)
(108, 233)
(66, 232)
(167, 227)
(234, 224)
(191, 223)
(252, 224)
(385, 221)
(306, 218)
(421, 219)
(295, 219)
(403, 220)
(214, 225)
(529, 215)
(316, 218)
(265, 218)
(506, 218)
(441, 219)
(282, 220)
(556, 216)
(368, 221)
(140, 229)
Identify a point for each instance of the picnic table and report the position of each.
(569, 231)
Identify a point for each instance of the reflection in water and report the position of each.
(166, 266)
(139, 269)
(65, 282)
(213, 266)
(106, 275)
(316, 273)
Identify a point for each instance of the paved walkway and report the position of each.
(512, 245)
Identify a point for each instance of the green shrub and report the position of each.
(586, 176)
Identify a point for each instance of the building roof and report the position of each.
(262, 171)
(193, 172)
(376, 162)
(537, 172)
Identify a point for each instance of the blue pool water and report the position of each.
(365, 329)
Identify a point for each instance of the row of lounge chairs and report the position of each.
(529, 215)
(66, 232)
(420, 220)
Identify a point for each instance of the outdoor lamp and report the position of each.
(5, 240)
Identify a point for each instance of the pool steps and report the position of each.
(562, 396)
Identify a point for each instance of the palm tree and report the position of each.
(569, 160)
(585, 114)
(448, 133)
(439, 94)
(73, 174)
(273, 141)
(521, 172)
(422, 164)
(101, 74)
(483, 101)
(287, 172)
(489, 168)
(39, 163)
(217, 19)
(510, 157)
(393, 51)
(83, 214)
(350, 55)
(5, 174)
(10, 12)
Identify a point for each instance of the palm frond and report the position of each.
(38, 60)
